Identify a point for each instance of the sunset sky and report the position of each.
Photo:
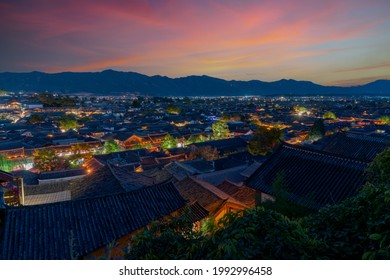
(333, 42)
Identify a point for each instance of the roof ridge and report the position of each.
(216, 191)
(319, 152)
(103, 196)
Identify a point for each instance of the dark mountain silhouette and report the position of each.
(116, 82)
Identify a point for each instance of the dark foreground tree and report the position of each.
(358, 228)
(253, 234)
(379, 169)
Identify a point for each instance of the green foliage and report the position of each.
(264, 140)
(300, 109)
(47, 160)
(68, 122)
(357, 228)
(225, 117)
(173, 109)
(261, 234)
(385, 119)
(253, 234)
(220, 130)
(168, 142)
(6, 164)
(206, 152)
(317, 131)
(81, 152)
(36, 118)
(196, 139)
(172, 238)
(111, 146)
(48, 100)
(379, 169)
(329, 115)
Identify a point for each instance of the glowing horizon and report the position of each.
(329, 43)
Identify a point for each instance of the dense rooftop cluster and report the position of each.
(92, 170)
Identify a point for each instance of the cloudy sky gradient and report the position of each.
(333, 42)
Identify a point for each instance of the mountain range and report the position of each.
(116, 82)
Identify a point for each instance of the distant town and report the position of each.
(82, 174)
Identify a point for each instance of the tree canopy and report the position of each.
(173, 109)
(81, 152)
(329, 115)
(316, 131)
(49, 100)
(264, 140)
(111, 146)
(168, 142)
(385, 119)
(220, 130)
(206, 152)
(6, 164)
(36, 118)
(47, 160)
(68, 122)
(379, 169)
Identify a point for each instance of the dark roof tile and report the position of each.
(312, 178)
(71, 229)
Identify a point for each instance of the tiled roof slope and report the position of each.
(98, 183)
(313, 179)
(193, 191)
(356, 146)
(53, 231)
(239, 192)
(108, 180)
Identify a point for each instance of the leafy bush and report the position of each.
(357, 228)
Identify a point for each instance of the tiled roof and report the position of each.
(113, 179)
(46, 198)
(208, 196)
(129, 179)
(29, 178)
(217, 177)
(250, 169)
(100, 182)
(178, 170)
(362, 147)
(62, 174)
(71, 229)
(241, 193)
(199, 165)
(312, 178)
(5, 176)
(192, 191)
(224, 144)
(194, 212)
(125, 156)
